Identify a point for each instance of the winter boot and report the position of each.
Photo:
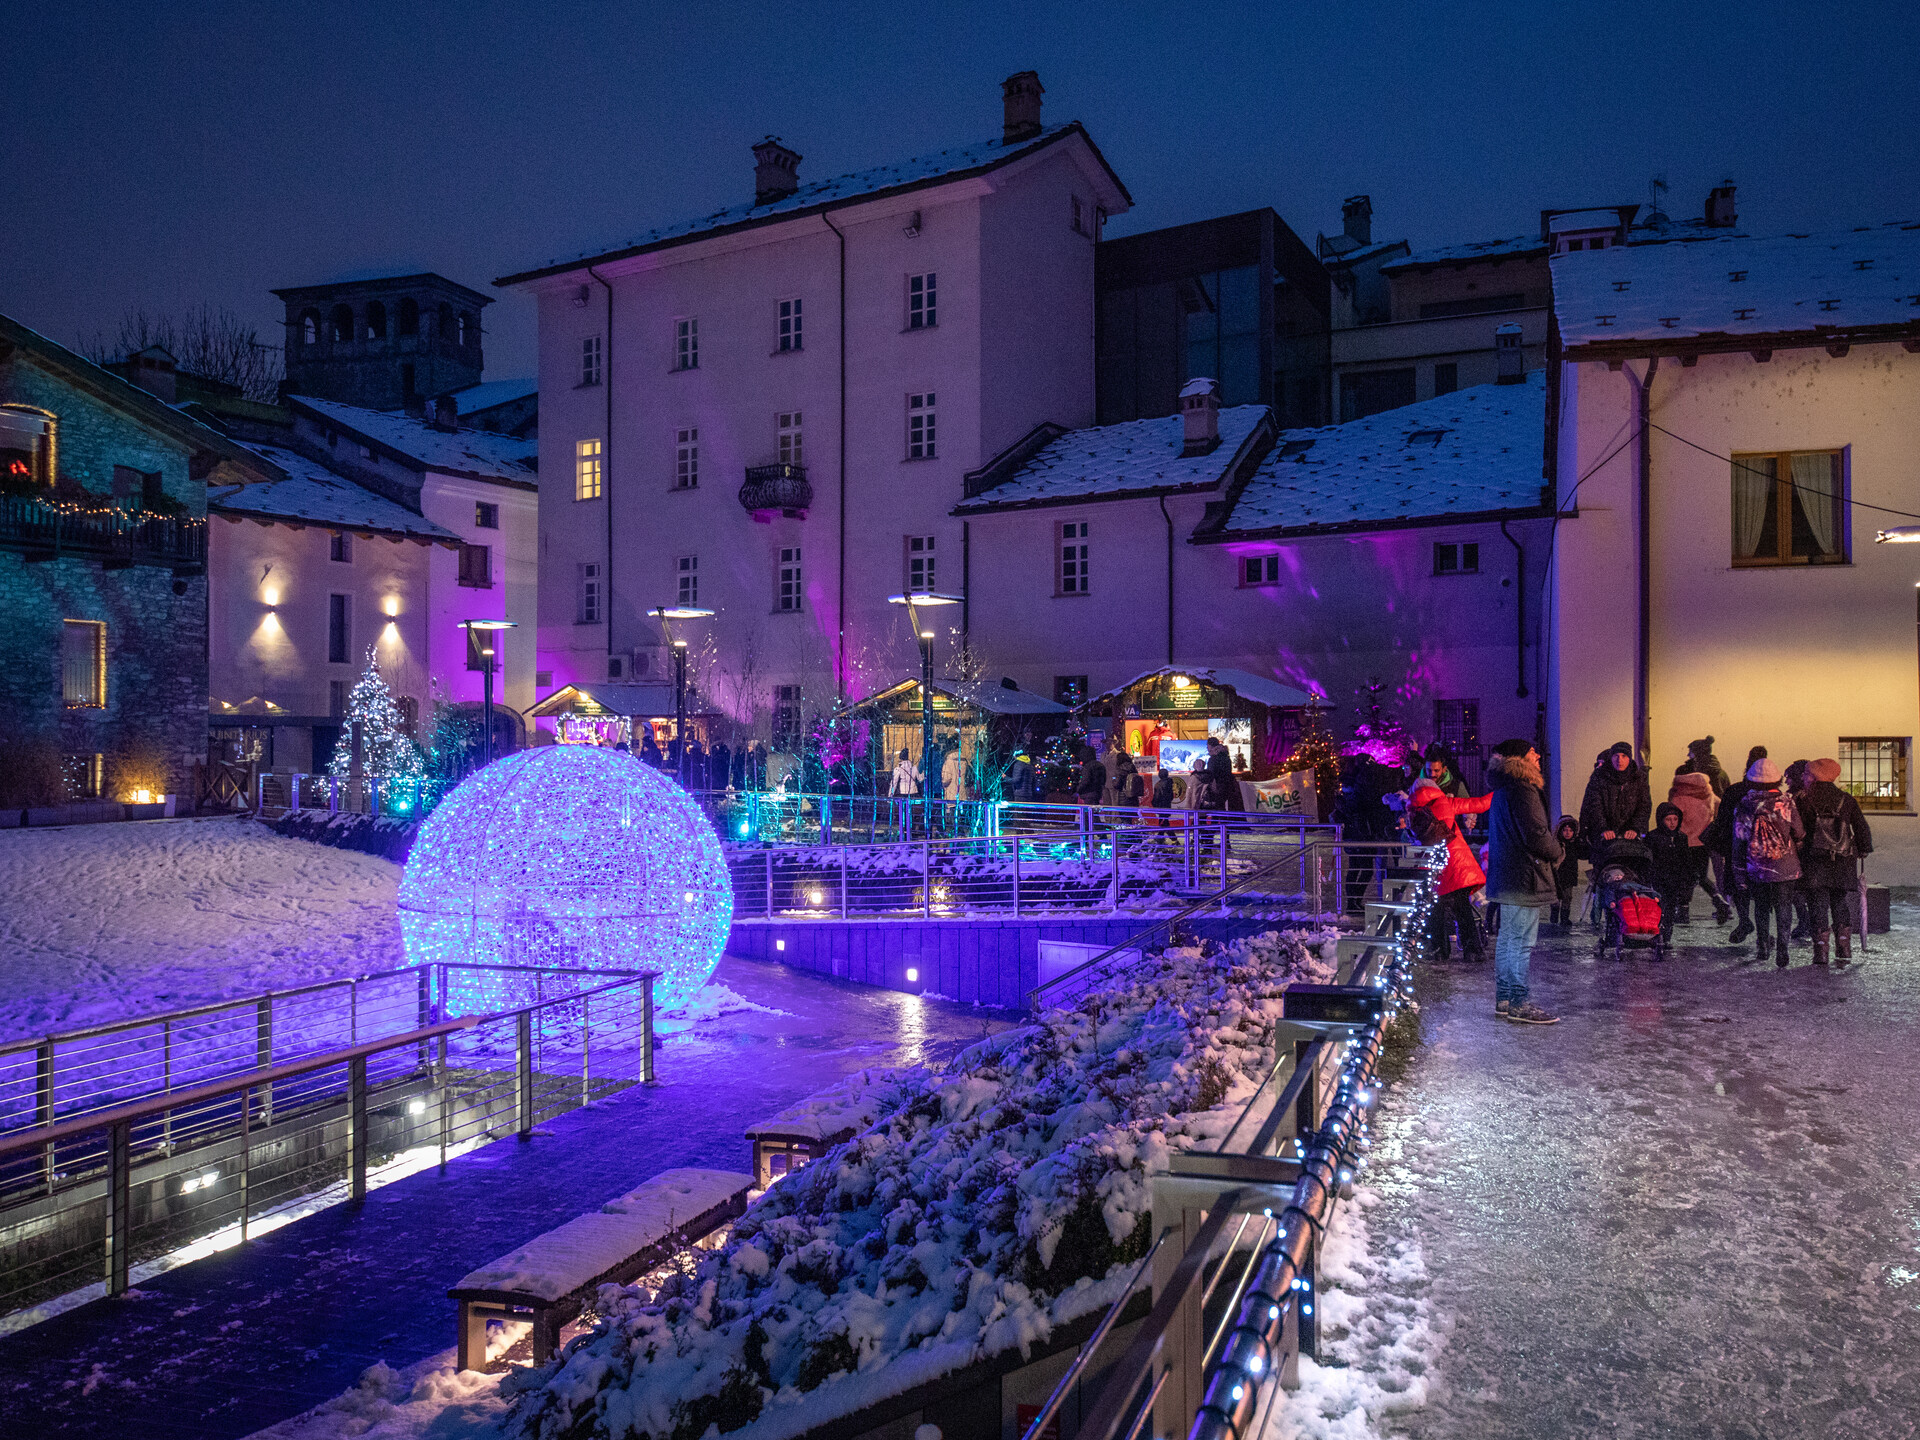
(1781, 959)
(1684, 915)
(1842, 945)
(1820, 947)
(1740, 931)
(1721, 914)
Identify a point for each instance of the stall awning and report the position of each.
(628, 700)
(1244, 683)
(994, 699)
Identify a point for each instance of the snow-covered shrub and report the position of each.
(994, 1197)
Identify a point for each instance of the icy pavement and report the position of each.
(255, 1335)
(101, 921)
(1690, 1209)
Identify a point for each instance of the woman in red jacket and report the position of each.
(1462, 875)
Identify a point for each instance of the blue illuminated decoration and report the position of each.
(572, 856)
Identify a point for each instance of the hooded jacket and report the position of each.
(1616, 800)
(1763, 868)
(1692, 794)
(1702, 761)
(1566, 874)
(1463, 872)
(1672, 868)
(1522, 849)
(1820, 871)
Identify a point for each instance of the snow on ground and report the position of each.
(428, 1399)
(708, 1003)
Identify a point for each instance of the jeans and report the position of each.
(1512, 949)
(1772, 898)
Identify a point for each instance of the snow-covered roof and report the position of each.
(489, 393)
(616, 697)
(454, 452)
(1111, 461)
(1512, 247)
(995, 699)
(825, 194)
(1364, 252)
(314, 495)
(1244, 683)
(1472, 452)
(1738, 285)
(836, 1113)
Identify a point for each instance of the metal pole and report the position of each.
(586, 1050)
(486, 702)
(263, 1052)
(1016, 875)
(646, 1038)
(680, 709)
(769, 910)
(926, 722)
(843, 884)
(523, 1071)
(357, 1127)
(926, 878)
(246, 1157)
(43, 1086)
(119, 1206)
(446, 1098)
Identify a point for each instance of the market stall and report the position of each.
(616, 713)
(987, 721)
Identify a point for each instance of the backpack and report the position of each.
(1428, 828)
(1768, 833)
(1832, 837)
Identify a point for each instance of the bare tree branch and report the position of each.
(216, 344)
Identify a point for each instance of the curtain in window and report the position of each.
(1814, 479)
(1753, 477)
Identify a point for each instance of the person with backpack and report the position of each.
(1702, 761)
(1719, 839)
(1431, 820)
(1767, 831)
(1837, 836)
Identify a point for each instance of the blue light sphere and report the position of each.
(571, 856)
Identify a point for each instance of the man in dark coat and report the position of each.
(1702, 761)
(1092, 783)
(1618, 804)
(1719, 839)
(1522, 852)
(1837, 836)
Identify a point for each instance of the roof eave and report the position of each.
(385, 532)
(1721, 342)
(412, 462)
(1051, 502)
(1353, 527)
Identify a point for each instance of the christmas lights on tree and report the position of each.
(385, 747)
(572, 856)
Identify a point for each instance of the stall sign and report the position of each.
(1184, 698)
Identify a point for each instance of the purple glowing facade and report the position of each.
(570, 856)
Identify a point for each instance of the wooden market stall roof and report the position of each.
(627, 699)
(1001, 699)
(1243, 683)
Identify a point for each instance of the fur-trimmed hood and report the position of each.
(1515, 769)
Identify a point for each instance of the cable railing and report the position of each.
(487, 1051)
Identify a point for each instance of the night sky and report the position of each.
(162, 154)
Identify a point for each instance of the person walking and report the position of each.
(1432, 816)
(907, 778)
(1162, 796)
(1129, 788)
(1522, 852)
(1837, 836)
(1719, 838)
(1702, 761)
(1692, 793)
(1767, 831)
(1794, 780)
(1225, 790)
(1016, 781)
(1617, 805)
(953, 776)
(1092, 783)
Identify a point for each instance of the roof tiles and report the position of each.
(1109, 461)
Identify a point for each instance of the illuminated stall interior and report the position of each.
(616, 713)
(1172, 712)
(997, 717)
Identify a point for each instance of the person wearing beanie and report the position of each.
(1719, 838)
(1566, 874)
(1692, 792)
(1431, 815)
(1767, 831)
(1672, 869)
(1793, 781)
(1522, 852)
(1837, 836)
(1618, 804)
(1702, 761)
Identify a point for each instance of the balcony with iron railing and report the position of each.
(777, 488)
(50, 529)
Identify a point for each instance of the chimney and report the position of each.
(446, 413)
(1720, 211)
(153, 370)
(1020, 96)
(776, 171)
(1510, 362)
(1358, 215)
(1200, 416)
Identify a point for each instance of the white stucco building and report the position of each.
(768, 412)
(1731, 422)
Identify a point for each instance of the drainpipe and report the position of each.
(1169, 519)
(966, 585)
(1643, 655)
(840, 656)
(1520, 615)
(606, 453)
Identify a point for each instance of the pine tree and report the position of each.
(385, 747)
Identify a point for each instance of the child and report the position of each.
(1672, 873)
(1566, 874)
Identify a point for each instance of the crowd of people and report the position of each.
(1778, 851)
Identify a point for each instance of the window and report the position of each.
(340, 326)
(791, 450)
(590, 360)
(1446, 378)
(1218, 315)
(1456, 725)
(1069, 690)
(83, 665)
(686, 344)
(920, 563)
(81, 774)
(27, 446)
(1790, 509)
(586, 470)
(376, 321)
(340, 548)
(339, 629)
(789, 325)
(789, 598)
(786, 717)
(1074, 576)
(688, 568)
(409, 316)
(1456, 559)
(337, 699)
(469, 329)
(476, 567)
(310, 328)
(543, 679)
(1260, 570)
(1874, 771)
(920, 302)
(485, 516)
(686, 459)
(920, 428)
(587, 611)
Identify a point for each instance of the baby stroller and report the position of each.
(1630, 912)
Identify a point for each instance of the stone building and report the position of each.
(103, 549)
(385, 343)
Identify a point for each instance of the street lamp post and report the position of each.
(480, 647)
(668, 613)
(915, 601)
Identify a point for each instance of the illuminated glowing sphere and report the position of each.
(572, 856)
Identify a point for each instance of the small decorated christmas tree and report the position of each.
(1379, 732)
(385, 747)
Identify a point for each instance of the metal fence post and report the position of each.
(586, 1050)
(446, 1097)
(1016, 874)
(926, 878)
(263, 1051)
(646, 1036)
(246, 1157)
(43, 1100)
(844, 903)
(357, 1127)
(523, 1071)
(119, 1206)
(1115, 905)
(1223, 857)
(333, 794)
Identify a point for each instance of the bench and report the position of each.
(550, 1279)
(808, 1130)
